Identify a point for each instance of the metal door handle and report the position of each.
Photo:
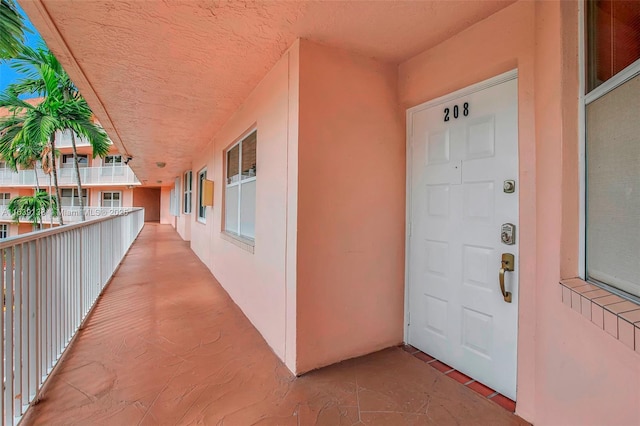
(507, 266)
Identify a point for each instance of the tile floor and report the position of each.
(459, 377)
(166, 346)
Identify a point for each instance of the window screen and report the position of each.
(613, 188)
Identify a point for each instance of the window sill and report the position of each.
(617, 316)
(243, 243)
(201, 221)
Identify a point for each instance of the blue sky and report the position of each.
(33, 39)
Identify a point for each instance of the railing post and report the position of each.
(8, 337)
(17, 333)
(36, 356)
(82, 278)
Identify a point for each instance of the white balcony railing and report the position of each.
(70, 214)
(110, 175)
(63, 140)
(51, 280)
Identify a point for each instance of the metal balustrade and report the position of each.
(107, 175)
(51, 279)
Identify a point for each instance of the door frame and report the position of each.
(468, 90)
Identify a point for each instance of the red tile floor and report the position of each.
(454, 374)
(166, 345)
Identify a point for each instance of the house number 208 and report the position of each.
(456, 111)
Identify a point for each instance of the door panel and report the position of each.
(457, 206)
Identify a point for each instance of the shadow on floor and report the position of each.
(166, 346)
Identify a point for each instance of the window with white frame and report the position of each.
(240, 191)
(5, 198)
(4, 230)
(111, 199)
(202, 209)
(612, 145)
(112, 165)
(67, 160)
(187, 185)
(174, 199)
(69, 197)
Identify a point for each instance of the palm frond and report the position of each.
(96, 136)
(32, 207)
(39, 126)
(27, 87)
(12, 30)
(28, 61)
(13, 103)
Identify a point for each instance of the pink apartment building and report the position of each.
(109, 185)
(460, 176)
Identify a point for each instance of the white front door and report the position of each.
(462, 149)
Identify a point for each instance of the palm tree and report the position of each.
(27, 129)
(18, 151)
(12, 29)
(45, 76)
(32, 207)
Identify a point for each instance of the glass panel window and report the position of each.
(113, 165)
(111, 199)
(240, 191)
(69, 197)
(248, 210)
(202, 209)
(249, 156)
(612, 147)
(5, 197)
(4, 230)
(613, 38)
(188, 182)
(67, 160)
(113, 160)
(231, 207)
(613, 188)
(233, 164)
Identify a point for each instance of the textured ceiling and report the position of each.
(164, 76)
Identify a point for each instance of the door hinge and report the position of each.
(409, 229)
(409, 319)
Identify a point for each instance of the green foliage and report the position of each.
(32, 207)
(63, 107)
(12, 30)
(29, 132)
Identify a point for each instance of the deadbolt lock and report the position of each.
(509, 186)
(508, 234)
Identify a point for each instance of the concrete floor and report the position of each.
(166, 346)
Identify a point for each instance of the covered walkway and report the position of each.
(165, 345)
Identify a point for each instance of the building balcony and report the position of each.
(63, 140)
(89, 176)
(164, 344)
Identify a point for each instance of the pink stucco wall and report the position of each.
(261, 283)
(166, 218)
(569, 372)
(183, 226)
(351, 206)
(329, 253)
